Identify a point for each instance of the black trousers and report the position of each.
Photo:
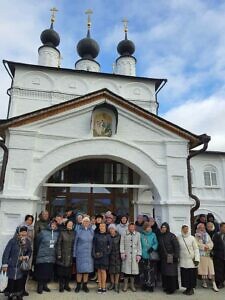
(15, 287)
(219, 266)
(188, 277)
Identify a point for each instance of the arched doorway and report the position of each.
(93, 186)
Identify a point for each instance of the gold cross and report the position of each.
(89, 12)
(125, 24)
(53, 10)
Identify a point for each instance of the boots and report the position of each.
(215, 287)
(61, 285)
(85, 288)
(66, 286)
(77, 289)
(117, 288)
(46, 288)
(132, 287)
(125, 284)
(40, 288)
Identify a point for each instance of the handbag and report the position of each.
(25, 266)
(3, 281)
(154, 255)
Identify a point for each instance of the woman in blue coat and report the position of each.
(149, 244)
(83, 254)
(46, 256)
(17, 250)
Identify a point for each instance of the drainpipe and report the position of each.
(205, 140)
(4, 163)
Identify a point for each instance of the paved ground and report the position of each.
(200, 294)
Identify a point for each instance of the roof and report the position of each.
(12, 66)
(109, 96)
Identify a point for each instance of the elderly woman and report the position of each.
(82, 251)
(210, 229)
(102, 245)
(205, 245)
(17, 250)
(169, 254)
(114, 259)
(46, 256)
(189, 260)
(149, 245)
(64, 251)
(130, 250)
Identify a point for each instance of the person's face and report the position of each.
(163, 229)
(29, 221)
(148, 229)
(132, 228)
(202, 219)
(86, 223)
(69, 213)
(151, 222)
(222, 229)
(123, 220)
(140, 219)
(185, 230)
(69, 225)
(53, 225)
(210, 227)
(22, 234)
(59, 219)
(112, 231)
(109, 220)
(98, 220)
(102, 228)
(45, 215)
(93, 221)
(201, 227)
(79, 219)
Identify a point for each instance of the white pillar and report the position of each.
(87, 65)
(126, 65)
(49, 57)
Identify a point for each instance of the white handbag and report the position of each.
(3, 281)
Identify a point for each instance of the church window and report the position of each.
(210, 176)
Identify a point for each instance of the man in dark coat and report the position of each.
(169, 254)
(219, 256)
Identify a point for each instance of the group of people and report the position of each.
(113, 248)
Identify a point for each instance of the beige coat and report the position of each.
(130, 246)
(188, 255)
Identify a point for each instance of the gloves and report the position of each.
(196, 263)
(123, 256)
(138, 258)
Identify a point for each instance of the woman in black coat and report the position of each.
(114, 259)
(17, 250)
(64, 252)
(102, 245)
(169, 254)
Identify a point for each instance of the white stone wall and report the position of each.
(212, 198)
(48, 56)
(126, 65)
(35, 88)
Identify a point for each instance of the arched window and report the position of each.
(210, 176)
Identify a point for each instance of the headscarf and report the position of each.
(185, 234)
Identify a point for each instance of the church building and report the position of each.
(92, 140)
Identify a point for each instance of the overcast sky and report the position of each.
(183, 41)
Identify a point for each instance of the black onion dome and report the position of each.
(88, 48)
(126, 47)
(50, 37)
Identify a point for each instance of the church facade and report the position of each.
(94, 141)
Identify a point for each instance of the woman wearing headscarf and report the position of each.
(102, 246)
(82, 251)
(210, 229)
(205, 245)
(169, 254)
(147, 265)
(17, 250)
(189, 260)
(114, 258)
(64, 252)
(46, 256)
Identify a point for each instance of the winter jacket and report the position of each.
(102, 246)
(130, 247)
(82, 250)
(10, 259)
(40, 225)
(114, 257)
(219, 246)
(148, 240)
(168, 244)
(64, 248)
(46, 246)
(188, 251)
(122, 228)
(204, 239)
